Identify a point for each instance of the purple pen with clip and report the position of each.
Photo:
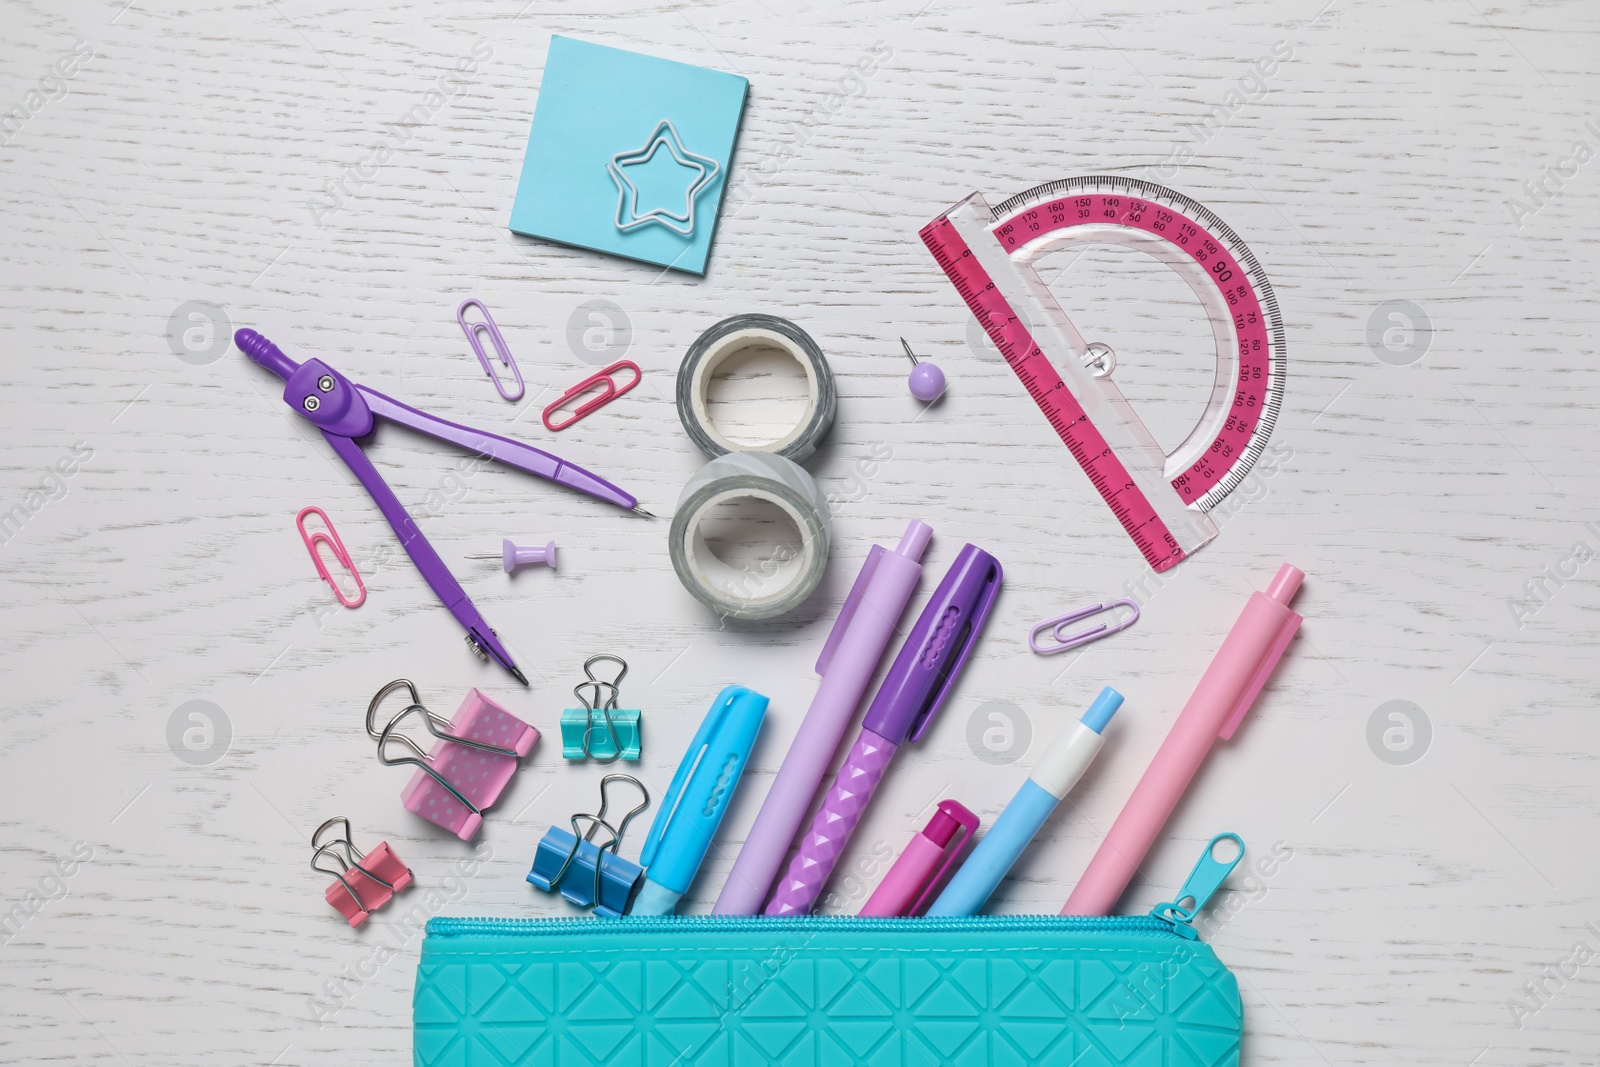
(849, 657)
(911, 695)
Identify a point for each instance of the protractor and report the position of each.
(1159, 496)
(1223, 274)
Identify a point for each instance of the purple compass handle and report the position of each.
(421, 551)
(512, 453)
(823, 843)
(263, 352)
(343, 407)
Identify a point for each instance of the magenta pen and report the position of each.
(933, 851)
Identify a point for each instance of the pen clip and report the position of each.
(693, 758)
(966, 827)
(1288, 625)
(1206, 878)
(976, 615)
(851, 604)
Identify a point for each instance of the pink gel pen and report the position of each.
(1226, 691)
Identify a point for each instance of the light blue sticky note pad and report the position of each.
(597, 102)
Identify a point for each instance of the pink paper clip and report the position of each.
(476, 755)
(501, 349)
(366, 880)
(330, 537)
(1083, 637)
(609, 391)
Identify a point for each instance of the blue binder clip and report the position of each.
(586, 873)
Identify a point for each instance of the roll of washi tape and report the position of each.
(740, 333)
(778, 584)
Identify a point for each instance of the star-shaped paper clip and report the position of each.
(628, 193)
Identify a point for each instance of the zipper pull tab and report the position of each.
(1206, 878)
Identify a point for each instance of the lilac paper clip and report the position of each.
(472, 330)
(1082, 637)
(476, 755)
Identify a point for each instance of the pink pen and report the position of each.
(1226, 691)
(911, 882)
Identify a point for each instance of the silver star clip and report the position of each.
(628, 216)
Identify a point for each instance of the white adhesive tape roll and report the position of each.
(794, 573)
(741, 333)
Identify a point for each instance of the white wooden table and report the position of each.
(159, 906)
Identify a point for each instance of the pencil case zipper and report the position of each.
(1172, 919)
(452, 926)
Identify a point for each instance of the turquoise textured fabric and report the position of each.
(830, 992)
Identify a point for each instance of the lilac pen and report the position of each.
(909, 698)
(850, 655)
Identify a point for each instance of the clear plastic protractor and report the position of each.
(1218, 267)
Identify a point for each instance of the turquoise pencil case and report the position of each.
(825, 991)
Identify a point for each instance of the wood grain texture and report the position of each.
(1376, 165)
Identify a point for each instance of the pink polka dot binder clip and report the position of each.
(477, 753)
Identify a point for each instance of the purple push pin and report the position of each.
(514, 555)
(926, 380)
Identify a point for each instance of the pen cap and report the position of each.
(943, 826)
(1105, 705)
(1074, 748)
(700, 791)
(936, 649)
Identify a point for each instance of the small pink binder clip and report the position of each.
(366, 880)
(477, 753)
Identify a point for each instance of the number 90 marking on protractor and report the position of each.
(1221, 271)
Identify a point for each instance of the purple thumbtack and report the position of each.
(513, 555)
(926, 380)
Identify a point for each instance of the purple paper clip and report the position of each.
(472, 329)
(1083, 637)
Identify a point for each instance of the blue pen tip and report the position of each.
(1105, 705)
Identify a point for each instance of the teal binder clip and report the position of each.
(600, 729)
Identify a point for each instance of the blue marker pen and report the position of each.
(1057, 771)
(697, 799)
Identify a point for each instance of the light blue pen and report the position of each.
(697, 799)
(1057, 771)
